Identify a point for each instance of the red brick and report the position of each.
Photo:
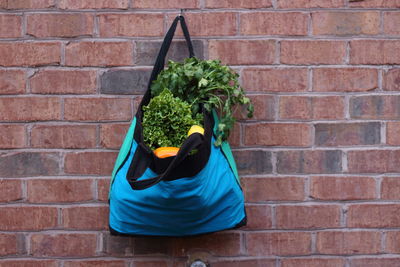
(96, 218)
(60, 25)
(345, 23)
(278, 243)
(392, 242)
(59, 190)
(310, 4)
(348, 243)
(103, 187)
(30, 109)
(307, 108)
(275, 80)
(347, 134)
(166, 4)
(12, 136)
(10, 26)
(29, 263)
(93, 4)
(8, 244)
(375, 3)
(273, 189)
(312, 262)
(273, 23)
(235, 135)
(309, 161)
(375, 107)
(63, 82)
(100, 163)
(374, 161)
(258, 217)
(12, 82)
(98, 109)
(10, 190)
(391, 80)
(307, 217)
(27, 218)
(342, 188)
(277, 134)
(242, 263)
(63, 245)
(63, 136)
(391, 23)
(376, 262)
(344, 80)
(360, 52)
(242, 52)
(312, 52)
(160, 263)
(29, 4)
(95, 263)
(30, 54)
(373, 216)
(112, 135)
(238, 4)
(203, 24)
(390, 188)
(263, 108)
(99, 54)
(112, 25)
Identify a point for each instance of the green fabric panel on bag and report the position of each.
(124, 151)
(226, 149)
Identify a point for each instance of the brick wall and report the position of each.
(320, 161)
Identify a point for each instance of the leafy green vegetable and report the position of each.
(205, 82)
(167, 120)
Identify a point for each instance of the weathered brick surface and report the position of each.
(8, 244)
(391, 80)
(125, 81)
(28, 218)
(93, 4)
(29, 109)
(375, 107)
(258, 217)
(375, 4)
(30, 54)
(392, 20)
(312, 262)
(112, 135)
(310, 4)
(29, 263)
(100, 163)
(373, 216)
(12, 82)
(374, 161)
(390, 188)
(10, 26)
(12, 136)
(27, 4)
(96, 218)
(95, 263)
(383, 52)
(166, 4)
(253, 161)
(10, 190)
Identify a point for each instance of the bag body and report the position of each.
(187, 194)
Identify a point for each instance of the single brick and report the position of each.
(97, 109)
(277, 134)
(345, 23)
(95, 263)
(103, 187)
(241, 263)
(63, 82)
(8, 244)
(375, 262)
(375, 107)
(307, 108)
(12, 82)
(22, 164)
(112, 135)
(155, 263)
(96, 163)
(344, 80)
(253, 161)
(59, 190)
(236, 52)
(279, 243)
(392, 242)
(374, 161)
(147, 51)
(93, 4)
(30, 54)
(275, 80)
(373, 216)
(10, 26)
(96, 218)
(391, 80)
(87, 53)
(311, 161)
(390, 188)
(115, 25)
(166, 4)
(273, 189)
(307, 217)
(273, 23)
(312, 262)
(342, 188)
(347, 134)
(10, 190)
(63, 245)
(12, 136)
(124, 81)
(310, 4)
(27, 218)
(28, 4)
(375, 3)
(391, 23)
(312, 52)
(348, 243)
(258, 217)
(29, 263)
(360, 52)
(264, 108)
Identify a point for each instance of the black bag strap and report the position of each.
(192, 142)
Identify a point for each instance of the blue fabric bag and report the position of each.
(184, 195)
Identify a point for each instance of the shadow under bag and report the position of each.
(184, 195)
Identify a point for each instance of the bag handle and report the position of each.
(192, 142)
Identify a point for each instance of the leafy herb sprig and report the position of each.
(205, 82)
